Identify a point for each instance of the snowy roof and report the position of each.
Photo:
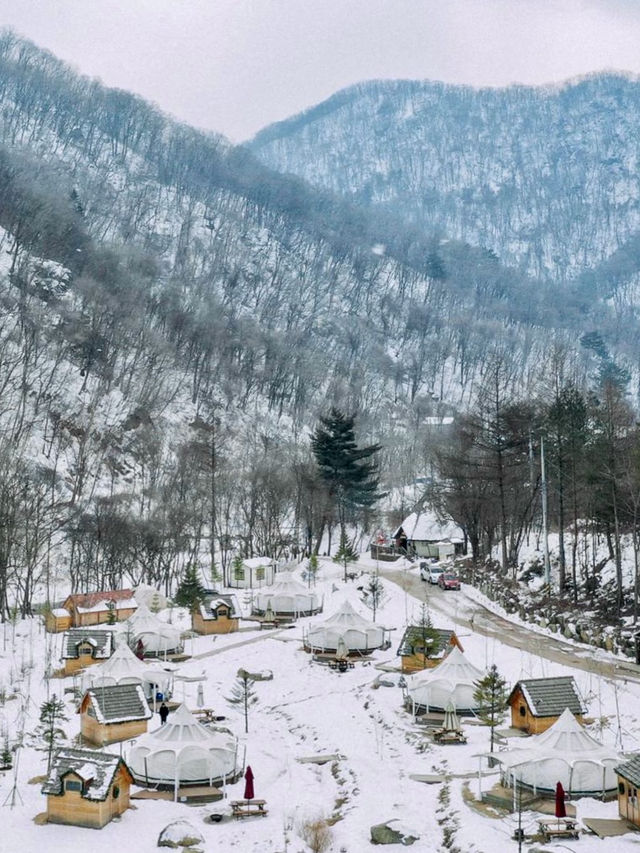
(630, 770)
(143, 621)
(100, 640)
(426, 526)
(413, 636)
(96, 601)
(121, 668)
(286, 584)
(346, 618)
(257, 562)
(117, 703)
(96, 769)
(548, 697)
(59, 611)
(212, 602)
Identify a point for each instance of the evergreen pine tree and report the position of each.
(348, 471)
(428, 638)
(6, 756)
(243, 696)
(237, 568)
(374, 594)
(190, 591)
(312, 569)
(345, 554)
(50, 732)
(490, 694)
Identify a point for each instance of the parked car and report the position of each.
(448, 581)
(431, 572)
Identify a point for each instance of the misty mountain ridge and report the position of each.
(546, 177)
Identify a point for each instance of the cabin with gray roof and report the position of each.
(216, 614)
(86, 788)
(628, 775)
(424, 648)
(113, 713)
(536, 703)
(425, 534)
(83, 647)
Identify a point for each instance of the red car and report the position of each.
(449, 581)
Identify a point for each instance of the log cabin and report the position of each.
(98, 608)
(628, 775)
(113, 713)
(216, 614)
(86, 788)
(536, 703)
(411, 649)
(83, 647)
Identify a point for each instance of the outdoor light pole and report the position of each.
(545, 528)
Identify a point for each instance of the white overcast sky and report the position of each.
(235, 66)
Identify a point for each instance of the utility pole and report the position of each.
(545, 526)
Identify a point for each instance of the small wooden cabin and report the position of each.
(57, 619)
(113, 713)
(217, 614)
(86, 788)
(97, 608)
(536, 703)
(628, 775)
(84, 647)
(412, 647)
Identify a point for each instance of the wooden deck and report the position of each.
(188, 794)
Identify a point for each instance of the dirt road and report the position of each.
(461, 609)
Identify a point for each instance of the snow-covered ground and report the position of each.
(307, 710)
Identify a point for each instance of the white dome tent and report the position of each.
(287, 597)
(157, 637)
(565, 753)
(357, 633)
(184, 752)
(452, 681)
(123, 667)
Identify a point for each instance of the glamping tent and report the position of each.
(565, 753)
(123, 667)
(287, 597)
(452, 681)
(358, 634)
(157, 637)
(184, 752)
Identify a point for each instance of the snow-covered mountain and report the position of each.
(548, 178)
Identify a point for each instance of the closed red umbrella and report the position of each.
(248, 784)
(561, 811)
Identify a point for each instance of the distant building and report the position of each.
(84, 647)
(113, 713)
(86, 788)
(536, 703)
(217, 614)
(411, 649)
(255, 572)
(91, 608)
(425, 535)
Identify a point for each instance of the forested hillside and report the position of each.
(547, 178)
(174, 318)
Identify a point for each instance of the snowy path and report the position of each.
(264, 635)
(463, 610)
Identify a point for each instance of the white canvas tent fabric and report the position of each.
(150, 596)
(123, 667)
(257, 572)
(157, 637)
(184, 752)
(288, 597)
(452, 681)
(357, 633)
(565, 753)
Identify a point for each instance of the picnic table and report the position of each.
(448, 736)
(340, 665)
(248, 808)
(558, 827)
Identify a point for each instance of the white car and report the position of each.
(431, 572)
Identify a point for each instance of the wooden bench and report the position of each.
(558, 828)
(248, 808)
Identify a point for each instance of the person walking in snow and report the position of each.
(164, 713)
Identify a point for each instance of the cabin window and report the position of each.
(116, 792)
(621, 787)
(72, 785)
(523, 711)
(260, 573)
(223, 612)
(238, 573)
(85, 650)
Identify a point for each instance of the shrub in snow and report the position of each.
(180, 833)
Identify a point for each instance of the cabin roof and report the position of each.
(548, 697)
(413, 637)
(96, 769)
(630, 770)
(117, 703)
(88, 601)
(100, 640)
(213, 600)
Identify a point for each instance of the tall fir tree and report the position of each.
(346, 554)
(490, 694)
(190, 591)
